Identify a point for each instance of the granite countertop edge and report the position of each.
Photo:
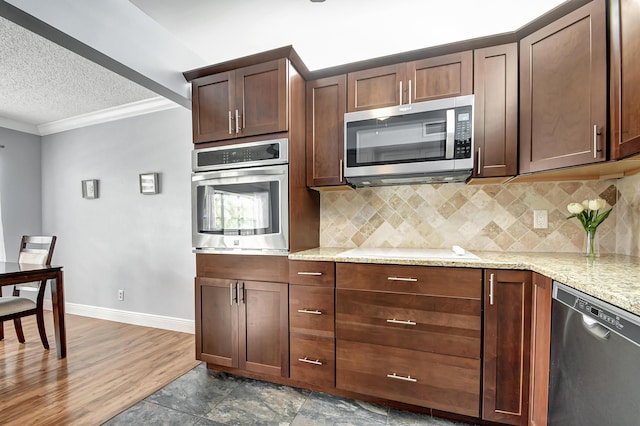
(613, 278)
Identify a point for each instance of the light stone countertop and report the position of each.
(613, 278)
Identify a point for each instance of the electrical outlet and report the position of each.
(120, 294)
(540, 219)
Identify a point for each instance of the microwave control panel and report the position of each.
(462, 145)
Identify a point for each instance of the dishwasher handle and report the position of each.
(594, 328)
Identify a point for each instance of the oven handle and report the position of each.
(451, 130)
(270, 171)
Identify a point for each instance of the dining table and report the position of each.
(12, 273)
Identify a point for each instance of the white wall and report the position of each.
(123, 239)
(20, 186)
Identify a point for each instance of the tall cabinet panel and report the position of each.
(326, 105)
(563, 91)
(625, 78)
(495, 75)
(507, 315)
(540, 350)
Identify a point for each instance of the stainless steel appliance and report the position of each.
(426, 142)
(595, 362)
(240, 198)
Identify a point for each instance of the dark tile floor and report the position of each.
(206, 397)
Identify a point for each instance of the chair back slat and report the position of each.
(36, 249)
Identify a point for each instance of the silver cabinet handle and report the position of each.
(341, 171)
(230, 126)
(307, 311)
(406, 379)
(491, 289)
(400, 93)
(315, 274)
(595, 141)
(410, 92)
(237, 122)
(309, 361)
(231, 294)
(413, 280)
(395, 321)
(240, 292)
(479, 161)
(451, 133)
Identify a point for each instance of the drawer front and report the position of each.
(312, 273)
(443, 325)
(428, 280)
(430, 380)
(311, 310)
(313, 359)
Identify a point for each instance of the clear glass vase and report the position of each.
(591, 246)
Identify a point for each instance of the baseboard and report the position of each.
(135, 318)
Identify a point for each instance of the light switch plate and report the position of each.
(540, 219)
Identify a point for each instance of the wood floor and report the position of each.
(109, 367)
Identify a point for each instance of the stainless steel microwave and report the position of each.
(425, 142)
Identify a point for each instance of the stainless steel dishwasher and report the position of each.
(595, 362)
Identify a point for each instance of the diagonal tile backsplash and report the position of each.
(476, 217)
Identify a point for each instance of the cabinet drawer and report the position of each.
(312, 273)
(450, 326)
(313, 359)
(430, 380)
(435, 281)
(311, 310)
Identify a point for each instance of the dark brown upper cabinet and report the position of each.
(326, 105)
(244, 102)
(563, 91)
(495, 82)
(625, 78)
(408, 82)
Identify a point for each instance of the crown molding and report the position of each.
(19, 126)
(132, 109)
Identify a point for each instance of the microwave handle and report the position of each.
(451, 133)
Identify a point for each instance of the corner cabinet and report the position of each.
(244, 102)
(408, 82)
(625, 80)
(242, 323)
(507, 336)
(563, 91)
(495, 81)
(326, 105)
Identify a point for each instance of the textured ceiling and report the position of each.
(41, 82)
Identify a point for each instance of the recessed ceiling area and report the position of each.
(335, 32)
(138, 49)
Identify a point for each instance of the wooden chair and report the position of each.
(36, 250)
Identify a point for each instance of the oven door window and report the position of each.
(239, 208)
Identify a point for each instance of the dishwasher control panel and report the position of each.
(618, 320)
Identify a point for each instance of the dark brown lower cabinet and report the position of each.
(507, 337)
(540, 350)
(243, 324)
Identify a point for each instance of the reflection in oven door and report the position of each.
(241, 209)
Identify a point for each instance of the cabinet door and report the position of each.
(625, 79)
(540, 350)
(440, 77)
(563, 89)
(264, 328)
(376, 87)
(495, 75)
(213, 106)
(261, 93)
(216, 321)
(326, 105)
(506, 346)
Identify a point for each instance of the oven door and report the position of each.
(241, 210)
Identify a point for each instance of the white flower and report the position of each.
(597, 204)
(575, 208)
(585, 204)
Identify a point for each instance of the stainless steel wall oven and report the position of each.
(240, 198)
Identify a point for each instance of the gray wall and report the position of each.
(20, 186)
(123, 239)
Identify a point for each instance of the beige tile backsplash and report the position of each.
(480, 217)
